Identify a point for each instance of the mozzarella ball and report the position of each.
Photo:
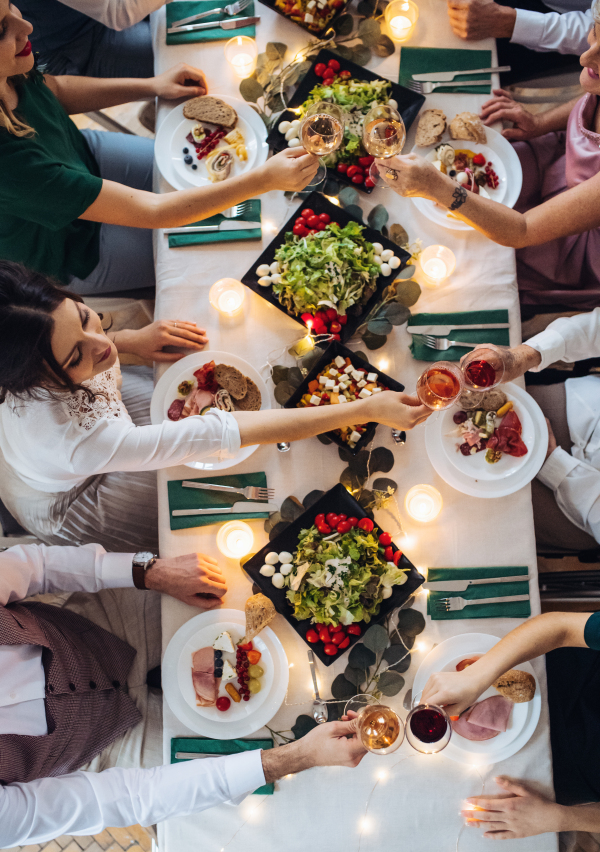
(292, 133)
(393, 103)
(278, 581)
(386, 269)
(285, 556)
(265, 281)
(386, 254)
(294, 143)
(286, 568)
(463, 178)
(263, 269)
(284, 126)
(267, 570)
(377, 248)
(295, 122)
(274, 266)
(394, 262)
(387, 593)
(276, 278)
(272, 558)
(377, 259)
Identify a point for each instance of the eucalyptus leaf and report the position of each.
(354, 676)
(355, 210)
(407, 292)
(291, 509)
(376, 638)
(348, 196)
(379, 326)
(270, 522)
(279, 373)
(342, 688)
(406, 273)
(384, 46)
(398, 235)
(384, 231)
(403, 665)
(374, 341)
(332, 187)
(303, 725)
(283, 391)
(311, 358)
(324, 439)
(366, 500)
(297, 72)
(365, 9)
(359, 463)
(278, 529)
(361, 53)
(409, 602)
(275, 49)
(394, 654)
(275, 102)
(362, 355)
(263, 76)
(295, 377)
(403, 640)
(251, 90)
(390, 683)
(378, 217)
(351, 481)
(411, 621)
(343, 51)
(369, 31)
(344, 25)
(361, 657)
(345, 455)
(311, 498)
(395, 313)
(382, 484)
(381, 459)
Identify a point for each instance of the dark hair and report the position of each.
(28, 368)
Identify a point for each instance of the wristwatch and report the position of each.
(142, 561)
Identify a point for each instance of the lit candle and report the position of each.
(241, 53)
(436, 263)
(235, 539)
(400, 26)
(423, 503)
(435, 268)
(229, 301)
(401, 17)
(242, 64)
(227, 296)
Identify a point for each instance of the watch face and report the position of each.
(143, 556)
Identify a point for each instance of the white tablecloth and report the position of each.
(417, 808)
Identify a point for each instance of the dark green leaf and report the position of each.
(407, 292)
(359, 463)
(376, 638)
(251, 90)
(411, 621)
(343, 51)
(283, 391)
(365, 9)
(361, 657)
(403, 665)
(403, 640)
(369, 31)
(312, 498)
(324, 439)
(278, 529)
(394, 654)
(311, 358)
(383, 484)
(374, 341)
(355, 676)
(379, 325)
(332, 187)
(381, 459)
(270, 522)
(302, 726)
(409, 602)
(348, 195)
(346, 455)
(275, 102)
(276, 49)
(342, 688)
(291, 509)
(366, 501)
(354, 210)
(406, 273)
(362, 355)
(279, 374)
(361, 54)
(384, 231)
(384, 46)
(395, 313)
(351, 481)
(398, 235)
(344, 25)
(390, 683)
(378, 217)
(295, 377)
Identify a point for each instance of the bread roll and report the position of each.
(517, 685)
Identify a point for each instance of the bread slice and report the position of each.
(232, 380)
(253, 399)
(468, 125)
(211, 110)
(260, 611)
(517, 685)
(432, 124)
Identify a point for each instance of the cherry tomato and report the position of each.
(466, 663)
(320, 519)
(342, 319)
(324, 635)
(366, 161)
(328, 77)
(312, 221)
(366, 524)
(247, 647)
(320, 626)
(300, 221)
(322, 317)
(320, 69)
(479, 160)
(335, 327)
(389, 554)
(325, 217)
(330, 649)
(331, 314)
(397, 557)
(253, 657)
(320, 226)
(334, 64)
(354, 629)
(307, 212)
(223, 703)
(345, 75)
(342, 168)
(344, 644)
(338, 637)
(352, 521)
(353, 170)
(385, 539)
(312, 231)
(335, 337)
(369, 182)
(319, 328)
(324, 529)
(343, 527)
(357, 178)
(332, 519)
(299, 230)
(337, 4)
(312, 636)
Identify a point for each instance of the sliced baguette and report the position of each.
(211, 110)
(468, 125)
(253, 399)
(432, 124)
(232, 380)
(260, 611)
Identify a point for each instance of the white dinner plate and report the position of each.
(171, 140)
(505, 163)
(166, 391)
(243, 718)
(523, 718)
(469, 481)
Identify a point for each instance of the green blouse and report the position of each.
(46, 182)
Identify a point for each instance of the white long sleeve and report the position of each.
(116, 14)
(568, 339)
(576, 486)
(84, 803)
(552, 32)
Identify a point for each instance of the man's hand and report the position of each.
(181, 81)
(517, 360)
(552, 445)
(477, 19)
(291, 170)
(397, 410)
(149, 342)
(195, 579)
(520, 812)
(503, 107)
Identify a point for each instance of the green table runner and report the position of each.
(499, 336)
(202, 745)
(195, 498)
(426, 60)
(186, 8)
(252, 214)
(514, 609)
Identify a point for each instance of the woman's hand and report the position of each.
(504, 108)
(520, 812)
(290, 170)
(149, 342)
(455, 691)
(181, 81)
(414, 175)
(398, 410)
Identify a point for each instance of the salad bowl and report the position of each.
(337, 500)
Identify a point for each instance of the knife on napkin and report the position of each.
(448, 76)
(241, 508)
(444, 330)
(234, 24)
(463, 585)
(228, 225)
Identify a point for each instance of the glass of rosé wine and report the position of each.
(379, 728)
(440, 385)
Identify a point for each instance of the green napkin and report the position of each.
(499, 336)
(202, 745)
(426, 60)
(195, 498)
(252, 214)
(186, 8)
(516, 609)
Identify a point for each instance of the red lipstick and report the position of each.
(26, 50)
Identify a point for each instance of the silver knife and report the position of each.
(229, 225)
(444, 330)
(235, 24)
(193, 755)
(447, 76)
(236, 509)
(463, 585)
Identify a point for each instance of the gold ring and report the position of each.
(391, 174)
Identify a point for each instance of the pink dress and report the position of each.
(566, 271)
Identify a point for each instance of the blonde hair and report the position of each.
(596, 11)
(9, 121)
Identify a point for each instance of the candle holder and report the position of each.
(241, 53)
(401, 16)
(235, 539)
(437, 263)
(227, 296)
(423, 503)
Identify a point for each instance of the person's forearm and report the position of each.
(579, 818)
(556, 118)
(285, 760)
(86, 94)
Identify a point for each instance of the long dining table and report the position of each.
(416, 804)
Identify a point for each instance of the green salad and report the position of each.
(340, 581)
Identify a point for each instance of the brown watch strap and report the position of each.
(139, 576)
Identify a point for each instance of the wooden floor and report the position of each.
(132, 839)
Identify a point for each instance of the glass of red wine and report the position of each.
(428, 728)
(483, 368)
(440, 385)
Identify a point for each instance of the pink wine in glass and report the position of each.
(428, 725)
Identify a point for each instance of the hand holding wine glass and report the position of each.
(322, 132)
(384, 135)
(440, 385)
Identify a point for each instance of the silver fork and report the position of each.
(442, 343)
(231, 9)
(458, 603)
(250, 492)
(242, 210)
(428, 88)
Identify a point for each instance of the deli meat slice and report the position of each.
(206, 685)
(175, 409)
(484, 720)
(507, 437)
(196, 401)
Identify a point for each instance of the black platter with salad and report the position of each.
(356, 90)
(332, 572)
(325, 269)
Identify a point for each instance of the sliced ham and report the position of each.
(196, 401)
(484, 720)
(206, 685)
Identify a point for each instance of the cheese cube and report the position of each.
(349, 369)
(376, 390)
(357, 375)
(364, 393)
(333, 372)
(308, 18)
(322, 380)
(330, 383)
(336, 389)
(343, 398)
(362, 383)
(339, 361)
(228, 671)
(312, 4)
(315, 400)
(355, 437)
(371, 377)
(223, 642)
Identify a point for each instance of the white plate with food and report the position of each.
(467, 744)
(200, 699)
(480, 478)
(190, 374)
(246, 144)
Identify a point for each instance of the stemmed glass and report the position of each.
(384, 134)
(440, 386)
(322, 132)
(428, 728)
(379, 728)
(483, 368)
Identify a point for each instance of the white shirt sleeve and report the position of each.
(576, 486)
(33, 569)
(116, 14)
(84, 803)
(568, 339)
(551, 31)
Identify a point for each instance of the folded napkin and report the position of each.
(202, 745)
(514, 609)
(499, 336)
(252, 214)
(426, 60)
(186, 8)
(196, 498)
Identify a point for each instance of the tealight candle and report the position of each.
(437, 263)
(401, 17)
(423, 503)
(227, 296)
(235, 539)
(400, 26)
(241, 53)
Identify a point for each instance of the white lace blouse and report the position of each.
(56, 444)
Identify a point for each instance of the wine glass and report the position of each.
(322, 132)
(379, 728)
(440, 385)
(383, 136)
(483, 368)
(428, 728)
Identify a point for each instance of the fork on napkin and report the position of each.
(499, 336)
(251, 213)
(195, 498)
(508, 609)
(218, 748)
